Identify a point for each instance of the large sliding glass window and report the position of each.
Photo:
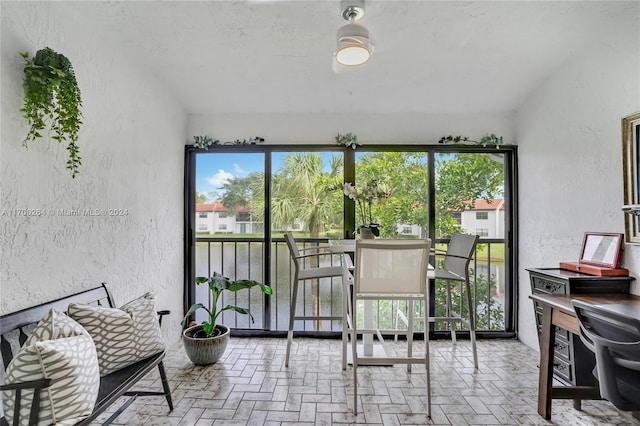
(240, 201)
(229, 205)
(393, 192)
(306, 198)
(470, 198)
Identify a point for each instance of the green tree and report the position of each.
(201, 198)
(240, 191)
(300, 194)
(460, 182)
(404, 177)
(245, 193)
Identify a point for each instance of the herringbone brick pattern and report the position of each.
(251, 386)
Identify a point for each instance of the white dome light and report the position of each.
(354, 47)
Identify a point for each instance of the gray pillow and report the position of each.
(122, 336)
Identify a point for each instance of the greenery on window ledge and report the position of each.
(486, 140)
(52, 97)
(205, 142)
(349, 140)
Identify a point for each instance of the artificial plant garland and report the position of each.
(486, 140)
(52, 96)
(349, 140)
(206, 142)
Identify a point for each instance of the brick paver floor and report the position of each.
(251, 386)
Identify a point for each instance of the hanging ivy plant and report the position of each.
(52, 97)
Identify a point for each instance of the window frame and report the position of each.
(510, 207)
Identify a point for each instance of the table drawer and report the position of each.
(560, 332)
(547, 285)
(562, 369)
(562, 347)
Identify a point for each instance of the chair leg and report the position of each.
(452, 325)
(294, 298)
(472, 324)
(165, 385)
(400, 317)
(345, 314)
(411, 308)
(396, 326)
(427, 360)
(354, 358)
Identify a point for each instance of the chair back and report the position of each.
(293, 247)
(391, 267)
(459, 253)
(615, 340)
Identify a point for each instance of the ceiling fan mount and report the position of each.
(352, 10)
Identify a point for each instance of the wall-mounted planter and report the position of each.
(52, 98)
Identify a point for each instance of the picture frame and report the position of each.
(602, 249)
(631, 174)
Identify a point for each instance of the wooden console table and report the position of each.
(557, 311)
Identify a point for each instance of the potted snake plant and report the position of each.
(205, 343)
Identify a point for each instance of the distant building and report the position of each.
(484, 219)
(213, 218)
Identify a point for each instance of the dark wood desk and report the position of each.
(558, 311)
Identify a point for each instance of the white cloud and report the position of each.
(219, 178)
(239, 170)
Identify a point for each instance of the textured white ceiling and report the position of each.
(276, 56)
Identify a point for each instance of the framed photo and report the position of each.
(630, 166)
(601, 249)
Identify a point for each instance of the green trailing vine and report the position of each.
(349, 140)
(486, 140)
(52, 97)
(206, 142)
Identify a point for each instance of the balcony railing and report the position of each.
(242, 258)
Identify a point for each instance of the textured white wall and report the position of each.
(132, 148)
(570, 158)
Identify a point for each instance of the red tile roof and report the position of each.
(210, 207)
(498, 204)
(218, 207)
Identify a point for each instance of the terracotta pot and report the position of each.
(205, 350)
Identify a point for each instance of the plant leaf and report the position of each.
(208, 328)
(238, 310)
(192, 310)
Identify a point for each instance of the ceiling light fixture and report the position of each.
(632, 209)
(354, 47)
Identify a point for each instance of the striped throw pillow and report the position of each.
(122, 336)
(58, 349)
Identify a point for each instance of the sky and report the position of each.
(215, 169)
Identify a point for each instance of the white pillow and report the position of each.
(122, 336)
(69, 359)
